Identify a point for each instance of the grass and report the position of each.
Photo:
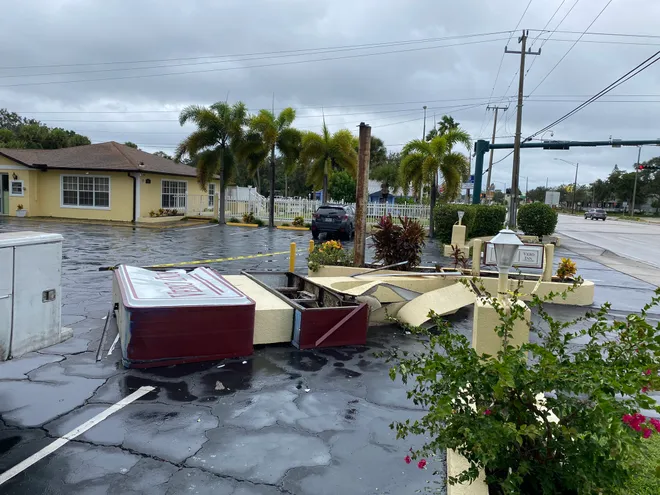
(646, 481)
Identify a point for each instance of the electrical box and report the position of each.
(30, 292)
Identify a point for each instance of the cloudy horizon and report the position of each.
(122, 70)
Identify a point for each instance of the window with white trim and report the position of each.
(85, 191)
(173, 193)
(211, 189)
(16, 188)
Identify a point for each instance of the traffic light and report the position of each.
(555, 145)
(647, 167)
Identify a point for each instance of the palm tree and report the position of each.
(387, 173)
(275, 132)
(446, 123)
(325, 152)
(422, 160)
(214, 143)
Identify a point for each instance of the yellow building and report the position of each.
(106, 181)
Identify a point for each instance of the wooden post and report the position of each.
(311, 246)
(362, 194)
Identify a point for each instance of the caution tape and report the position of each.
(217, 260)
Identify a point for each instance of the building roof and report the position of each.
(109, 156)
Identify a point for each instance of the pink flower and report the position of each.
(488, 412)
(647, 372)
(421, 464)
(627, 418)
(656, 424)
(647, 432)
(407, 459)
(645, 389)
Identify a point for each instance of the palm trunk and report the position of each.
(324, 198)
(434, 191)
(221, 200)
(271, 200)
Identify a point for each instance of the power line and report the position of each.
(547, 24)
(627, 76)
(499, 68)
(358, 46)
(624, 35)
(223, 69)
(572, 46)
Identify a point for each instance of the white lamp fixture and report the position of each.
(460, 217)
(506, 245)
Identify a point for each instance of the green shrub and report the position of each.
(249, 218)
(285, 225)
(234, 220)
(595, 374)
(298, 222)
(259, 222)
(397, 243)
(537, 219)
(329, 253)
(480, 220)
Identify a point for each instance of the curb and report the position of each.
(281, 227)
(240, 224)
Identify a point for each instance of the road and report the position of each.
(635, 241)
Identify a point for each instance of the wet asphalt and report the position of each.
(285, 421)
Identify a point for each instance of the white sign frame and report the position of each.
(527, 256)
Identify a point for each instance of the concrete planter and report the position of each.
(21, 213)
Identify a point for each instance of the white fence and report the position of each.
(287, 209)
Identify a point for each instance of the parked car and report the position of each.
(595, 214)
(334, 219)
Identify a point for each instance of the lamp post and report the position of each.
(577, 166)
(639, 156)
(506, 244)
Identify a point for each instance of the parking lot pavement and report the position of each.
(281, 421)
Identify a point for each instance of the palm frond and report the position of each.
(453, 169)
(286, 118)
(416, 146)
(457, 136)
(316, 171)
(313, 147)
(208, 165)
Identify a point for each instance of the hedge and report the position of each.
(537, 219)
(480, 220)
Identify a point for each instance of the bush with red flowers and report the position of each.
(594, 373)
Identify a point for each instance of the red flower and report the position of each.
(647, 372)
(407, 459)
(647, 432)
(656, 424)
(421, 464)
(488, 412)
(645, 389)
(627, 418)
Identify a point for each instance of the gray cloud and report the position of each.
(48, 32)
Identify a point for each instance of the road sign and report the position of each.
(469, 184)
(527, 256)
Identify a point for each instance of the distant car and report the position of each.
(595, 214)
(334, 219)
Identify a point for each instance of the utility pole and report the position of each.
(492, 151)
(362, 194)
(577, 167)
(516, 149)
(271, 200)
(424, 128)
(639, 156)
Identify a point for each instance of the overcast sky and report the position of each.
(312, 55)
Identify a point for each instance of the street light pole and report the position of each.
(577, 166)
(639, 156)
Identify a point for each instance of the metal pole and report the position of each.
(424, 128)
(639, 156)
(362, 195)
(480, 147)
(577, 166)
(271, 200)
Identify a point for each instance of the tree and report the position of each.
(219, 133)
(498, 197)
(342, 186)
(19, 132)
(447, 123)
(387, 173)
(423, 160)
(325, 152)
(162, 154)
(537, 194)
(131, 145)
(276, 134)
(377, 153)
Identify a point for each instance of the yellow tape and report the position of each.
(217, 260)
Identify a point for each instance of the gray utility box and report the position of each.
(30, 292)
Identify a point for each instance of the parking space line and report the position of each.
(49, 449)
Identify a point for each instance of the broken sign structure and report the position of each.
(179, 316)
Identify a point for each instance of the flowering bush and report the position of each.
(329, 253)
(566, 269)
(591, 373)
(298, 222)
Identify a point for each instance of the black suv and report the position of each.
(334, 219)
